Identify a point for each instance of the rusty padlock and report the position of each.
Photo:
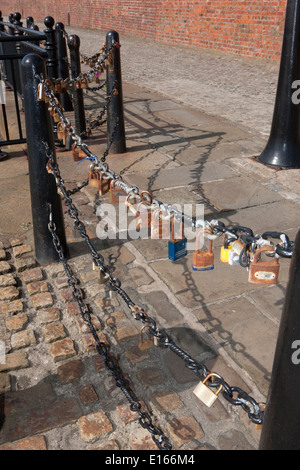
(78, 154)
(264, 272)
(143, 216)
(203, 260)
(160, 225)
(205, 393)
(144, 345)
(115, 193)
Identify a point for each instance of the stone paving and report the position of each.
(56, 391)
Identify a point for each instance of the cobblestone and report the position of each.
(189, 140)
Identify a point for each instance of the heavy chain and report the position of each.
(145, 420)
(250, 405)
(211, 229)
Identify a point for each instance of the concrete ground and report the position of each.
(194, 121)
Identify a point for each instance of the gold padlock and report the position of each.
(144, 345)
(62, 132)
(205, 393)
(102, 278)
(41, 92)
(264, 272)
(225, 249)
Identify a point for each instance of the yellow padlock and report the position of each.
(225, 249)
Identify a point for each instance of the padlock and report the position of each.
(205, 393)
(203, 260)
(62, 132)
(160, 225)
(233, 258)
(130, 203)
(77, 153)
(143, 216)
(41, 92)
(104, 184)
(264, 272)
(102, 278)
(177, 247)
(225, 250)
(115, 193)
(144, 345)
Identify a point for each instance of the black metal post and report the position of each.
(63, 68)
(78, 103)
(115, 111)
(281, 427)
(42, 184)
(51, 48)
(283, 147)
(29, 22)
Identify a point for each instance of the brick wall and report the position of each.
(252, 28)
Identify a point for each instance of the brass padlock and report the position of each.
(203, 260)
(144, 345)
(264, 272)
(41, 92)
(102, 278)
(205, 393)
(115, 193)
(160, 225)
(62, 132)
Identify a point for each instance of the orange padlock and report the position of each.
(143, 216)
(264, 272)
(115, 193)
(203, 260)
(160, 225)
(77, 153)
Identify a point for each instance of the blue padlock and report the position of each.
(177, 247)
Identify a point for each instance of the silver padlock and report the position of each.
(233, 258)
(206, 394)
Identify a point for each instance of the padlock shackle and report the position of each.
(208, 377)
(278, 235)
(261, 250)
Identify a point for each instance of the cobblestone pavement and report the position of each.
(57, 392)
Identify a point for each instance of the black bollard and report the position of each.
(51, 48)
(63, 68)
(115, 111)
(78, 103)
(29, 22)
(281, 427)
(283, 147)
(42, 184)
